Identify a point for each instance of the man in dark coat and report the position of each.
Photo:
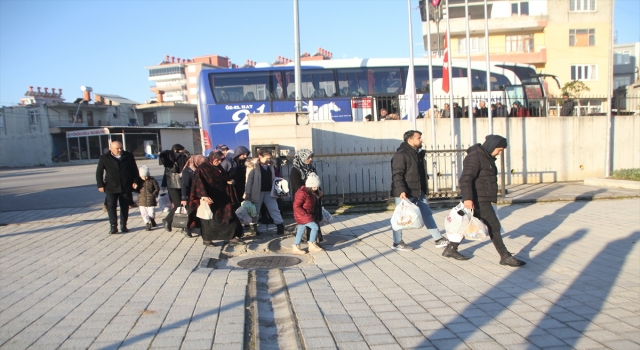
(479, 188)
(501, 110)
(409, 181)
(116, 176)
(567, 106)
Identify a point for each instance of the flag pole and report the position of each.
(431, 106)
(472, 135)
(297, 70)
(487, 58)
(445, 64)
(411, 90)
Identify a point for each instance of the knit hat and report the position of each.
(312, 180)
(144, 171)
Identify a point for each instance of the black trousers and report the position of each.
(125, 200)
(484, 211)
(176, 196)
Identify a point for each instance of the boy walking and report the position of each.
(147, 198)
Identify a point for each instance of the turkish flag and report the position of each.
(435, 3)
(445, 66)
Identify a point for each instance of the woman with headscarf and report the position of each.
(187, 181)
(212, 184)
(302, 167)
(173, 161)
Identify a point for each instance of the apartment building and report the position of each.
(566, 38)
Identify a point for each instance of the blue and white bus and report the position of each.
(346, 90)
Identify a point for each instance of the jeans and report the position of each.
(125, 200)
(314, 232)
(427, 217)
(272, 207)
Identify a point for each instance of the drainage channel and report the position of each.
(273, 325)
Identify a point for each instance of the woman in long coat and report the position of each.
(187, 182)
(212, 184)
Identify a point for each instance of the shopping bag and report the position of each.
(280, 188)
(250, 207)
(164, 201)
(204, 211)
(326, 217)
(243, 214)
(455, 223)
(180, 218)
(476, 230)
(495, 209)
(406, 216)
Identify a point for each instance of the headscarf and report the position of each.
(299, 162)
(194, 162)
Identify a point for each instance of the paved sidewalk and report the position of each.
(65, 283)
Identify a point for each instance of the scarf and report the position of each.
(299, 162)
(194, 162)
(211, 181)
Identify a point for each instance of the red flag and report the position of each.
(435, 3)
(445, 66)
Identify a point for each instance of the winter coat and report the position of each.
(479, 179)
(187, 181)
(502, 111)
(148, 192)
(254, 180)
(237, 169)
(567, 108)
(117, 176)
(173, 162)
(408, 173)
(304, 205)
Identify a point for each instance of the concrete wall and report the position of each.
(284, 129)
(540, 149)
(23, 143)
(169, 137)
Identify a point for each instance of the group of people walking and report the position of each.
(219, 182)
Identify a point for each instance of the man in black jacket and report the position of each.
(116, 176)
(409, 181)
(567, 106)
(479, 188)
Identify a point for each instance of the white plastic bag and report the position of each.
(164, 201)
(495, 209)
(243, 215)
(476, 230)
(326, 217)
(280, 188)
(454, 224)
(406, 216)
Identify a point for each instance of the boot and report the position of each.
(254, 229)
(509, 260)
(148, 226)
(167, 225)
(153, 222)
(123, 228)
(314, 247)
(297, 250)
(187, 233)
(113, 229)
(280, 229)
(451, 251)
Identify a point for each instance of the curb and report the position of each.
(612, 183)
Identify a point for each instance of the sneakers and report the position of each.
(148, 226)
(442, 242)
(297, 250)
(452, 252)
(314, 247)
(401, 247)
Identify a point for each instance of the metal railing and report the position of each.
(365, 177)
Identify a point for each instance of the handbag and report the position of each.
(174, 178)
(180, 218)
(204, 211)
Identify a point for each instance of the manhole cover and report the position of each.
(269, 262)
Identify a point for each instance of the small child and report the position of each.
(147, 197)
(303, 208)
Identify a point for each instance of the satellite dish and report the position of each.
(85, 88)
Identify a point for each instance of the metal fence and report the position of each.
(365, 177)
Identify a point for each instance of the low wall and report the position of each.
(540, 149)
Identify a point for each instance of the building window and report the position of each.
(582, 37)
(196, 121)
(520, 8)
(166, 71)
(582, 5)
(621, 81)
(622, 57)
(77, 119)
(149, 118)
(584, 72)
(477, 45)
(1, 119)
(89, 118)
(33, 118)
(520, 43)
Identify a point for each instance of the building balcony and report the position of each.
(174, 76)
(536, 56)
(173, 87)
(509, 25)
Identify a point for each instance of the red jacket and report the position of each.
(303, 205)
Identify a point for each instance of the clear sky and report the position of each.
(107, 44)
